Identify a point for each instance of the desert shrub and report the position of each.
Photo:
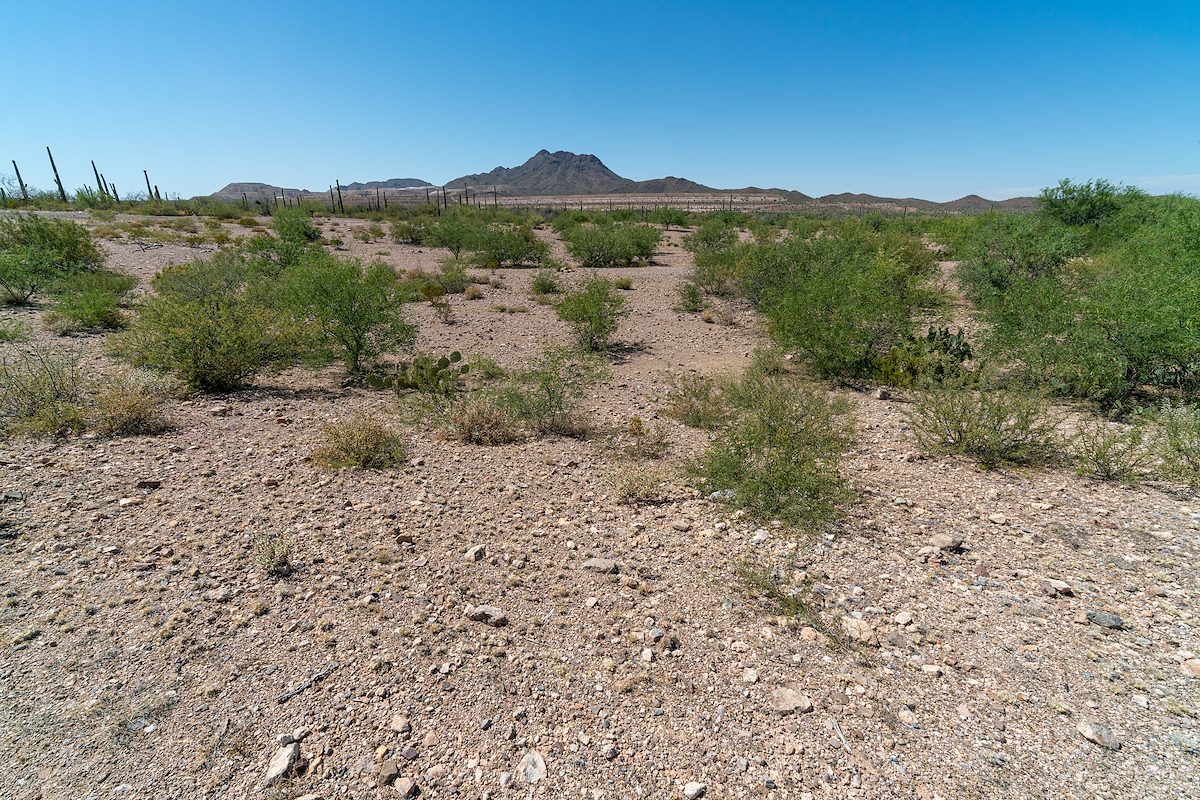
(842, 300)
(352, 312)
(712, 235)
(611, 245)
(993, 426)
(1179, 442)
(645, 441)
(13, 331)
(624, 284)
(1088, 203)
(768, 361)
(485, 370)
(360, 442)
(638, 484)
(718, 315)
(496, 246)
(454, 232)
(272, 554)
(484, 419)
(248, 222)
(717, 268)
(208, 325)
(545, 282)
(1110, 452)
(411, 231)
(668, 216)
(89, 310)
(42, 391)
(130, 405)
(295, 225)
(1003, 250)
(778, 457)
(1110, 327)
(593, 310)
(36, 251)
(695, 400)
(473, 292)
(691, 298)
(545, 396)
(923, 361)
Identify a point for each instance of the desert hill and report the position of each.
(563, 173)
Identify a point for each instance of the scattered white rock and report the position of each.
(281, 763)
(1096, 733)
(789, 700)
(532, 767)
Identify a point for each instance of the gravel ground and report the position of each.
(144, 654)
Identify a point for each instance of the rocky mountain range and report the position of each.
(564, 173)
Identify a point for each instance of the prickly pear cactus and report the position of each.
(426, 374)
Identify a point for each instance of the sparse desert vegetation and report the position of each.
(775, 500)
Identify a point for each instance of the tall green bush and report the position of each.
(353, 312)
(210, 324)
(594, 310)
(36, 251)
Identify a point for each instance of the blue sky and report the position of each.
(926, 99)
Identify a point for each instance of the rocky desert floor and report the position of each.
(972, 634)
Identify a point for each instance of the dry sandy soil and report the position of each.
(144, 654)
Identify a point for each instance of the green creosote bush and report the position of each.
(778, 457)
(1004, 250)
(497, 246)
(994, 426)
(594, 310)
(453, 231)
(1087, 203)
(37, 251)
(842, 300)
(611, 244)
(89, 301)
(1111, 452)
(545, 282)
(360, 442)
(295, 226)
(546, 394)
(351, 311)
(691, 298)
(412, 231)
(207, 324)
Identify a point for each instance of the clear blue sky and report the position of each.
(928, 99)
